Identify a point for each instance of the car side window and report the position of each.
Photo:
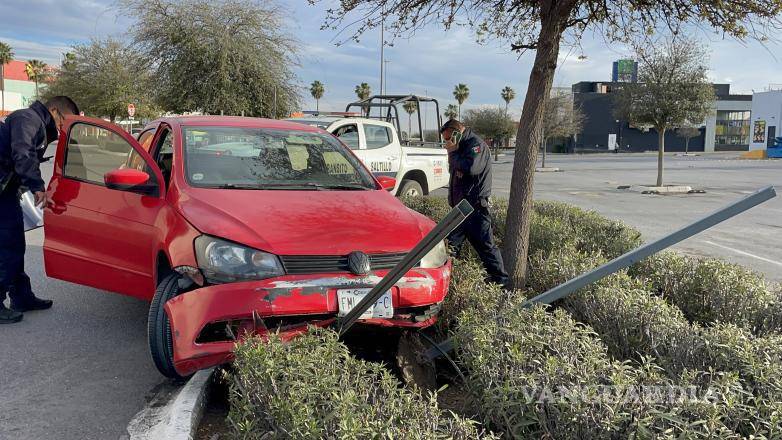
(349, 135)
(93, 151)
(377, 136)
(164, 154)
(136, 161)
(145, 139)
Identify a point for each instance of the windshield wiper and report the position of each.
(236, 186)
(345, 186)
(293, 186)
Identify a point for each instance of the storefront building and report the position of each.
(19, 90)
(766, 117)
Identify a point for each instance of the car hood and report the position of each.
(305, 222)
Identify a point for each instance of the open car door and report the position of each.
(105, 195)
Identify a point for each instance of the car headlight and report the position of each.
(224, 262)
(436, 257)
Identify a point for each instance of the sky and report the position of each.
(431, 62)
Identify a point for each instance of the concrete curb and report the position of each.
(680, 189)
(548, 170)
(179, 418)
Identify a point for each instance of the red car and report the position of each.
(232, 226)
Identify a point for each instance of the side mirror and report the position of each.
(127, 179)
(387, 183)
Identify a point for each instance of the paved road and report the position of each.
(81, 370)
(753, 239)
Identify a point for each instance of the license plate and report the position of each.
(349, 298)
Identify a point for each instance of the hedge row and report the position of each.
(709, 290)
(638, 325)
(311, 387)
(635, 324)
(536, 374)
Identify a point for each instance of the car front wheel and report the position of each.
(161, 345)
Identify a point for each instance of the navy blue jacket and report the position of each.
(470, 168)
(23, 138)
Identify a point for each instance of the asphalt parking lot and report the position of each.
(753, 239)
(82, 369)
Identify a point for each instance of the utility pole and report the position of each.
(382, 47)
(385, 77)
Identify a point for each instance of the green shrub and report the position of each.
(595, 232)
(434, 207)
(636, 324)
(311, 387)
(515, 356)
(708, 290)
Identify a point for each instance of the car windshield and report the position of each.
(252, 158)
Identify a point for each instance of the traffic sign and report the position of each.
(131, 110)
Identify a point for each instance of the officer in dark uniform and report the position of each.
(23, 138)
(469, 162)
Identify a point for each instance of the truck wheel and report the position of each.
(410, 188)
(161, 344)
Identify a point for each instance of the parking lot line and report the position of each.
(743, 253)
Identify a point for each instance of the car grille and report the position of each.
(304, 264)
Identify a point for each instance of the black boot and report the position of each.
(9, 316)
(32, 304)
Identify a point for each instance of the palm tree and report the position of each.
(410, 107)
(451, 112)
(36, 71)
(461, 92)
(363, 91)
(508, 95)
(6, 55)
(317, 90)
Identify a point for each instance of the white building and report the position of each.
(765, 119)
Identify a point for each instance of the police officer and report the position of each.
(23, 138)
(469, 162)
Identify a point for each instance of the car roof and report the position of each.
(237, 121)
(332, 119)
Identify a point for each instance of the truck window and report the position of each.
(349, 135)
(378, 136)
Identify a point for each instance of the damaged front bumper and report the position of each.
(206, 322)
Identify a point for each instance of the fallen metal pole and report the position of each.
(454, 218)
(637, 255)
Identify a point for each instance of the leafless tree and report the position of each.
(562, 119)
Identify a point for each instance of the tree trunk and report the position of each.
(660, 155)
(528, 140)
(686, 145)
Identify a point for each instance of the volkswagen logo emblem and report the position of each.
(358, 263)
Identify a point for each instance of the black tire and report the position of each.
(410, 188)
(161, 344)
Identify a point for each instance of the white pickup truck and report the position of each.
(417, 170)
